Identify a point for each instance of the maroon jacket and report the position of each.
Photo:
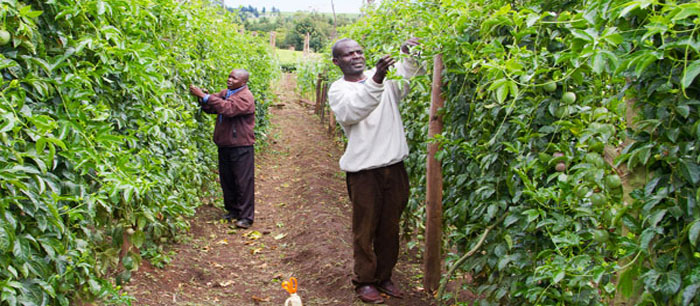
(236, 117)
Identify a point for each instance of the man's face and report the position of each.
(351, 58)
(235, 80)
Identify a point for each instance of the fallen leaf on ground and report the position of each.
(280, 236)
(255, 251)
(259, 299)
(253, 235)
(222, 242)
(226, 283)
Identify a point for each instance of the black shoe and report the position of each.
(230, 217)
(244, 223)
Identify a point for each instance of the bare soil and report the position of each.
(302, 229)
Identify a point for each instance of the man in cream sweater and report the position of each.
(367, 108)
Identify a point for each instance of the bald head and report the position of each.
(242, 74)
(237, 78)
(350, 58)
(338, 45)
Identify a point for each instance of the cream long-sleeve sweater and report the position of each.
(369, 114)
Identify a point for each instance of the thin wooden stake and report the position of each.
(432, 260)
(324, 94)
(317, 107)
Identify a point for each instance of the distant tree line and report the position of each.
(291, 29)
(247, 12)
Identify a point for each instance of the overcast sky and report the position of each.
(323, 6)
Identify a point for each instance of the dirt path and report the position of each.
(302, 229)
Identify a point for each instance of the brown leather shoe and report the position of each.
(369, 294)
(389, 288)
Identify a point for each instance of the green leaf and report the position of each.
(683, 110)
(531, 214)
(645, 239)
(8, 122)
(690, 171)
(559, 277)
(509, 241)
(656, 217)
(5, 240)
(138, 238)
(626, 282)
(100, 7)
(670, 283)
(582, 35)
(94, 286)
(694, 233)
(598, 63)
(690, 73)
(501, 87)
(21, 249)
(690, 293)
(686, 12)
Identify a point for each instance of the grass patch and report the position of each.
(289, 57)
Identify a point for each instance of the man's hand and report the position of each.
(197, 92)
(382, 68)
(409, 44)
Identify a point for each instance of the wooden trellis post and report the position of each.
(307, 39)
(273, 36)
(324, 94)
(317, 107)
(432, 259)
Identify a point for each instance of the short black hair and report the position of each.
(334, 49)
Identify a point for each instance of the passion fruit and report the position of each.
(4, 37)
(568, 97)
(613, 181)
(550, 86)
(598, 199)
(560, 167)
(595, 159)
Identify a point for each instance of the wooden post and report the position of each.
(317, 107)
(273, 36)
(307, 39)
(432, 260)
(324, 93)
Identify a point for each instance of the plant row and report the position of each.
(570, 126)
(105, 153)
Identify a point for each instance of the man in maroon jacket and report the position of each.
(233, 134)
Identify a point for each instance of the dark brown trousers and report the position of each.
(237, 175)
(378, 198)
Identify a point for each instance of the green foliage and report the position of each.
(581, 236)
(101, 138)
